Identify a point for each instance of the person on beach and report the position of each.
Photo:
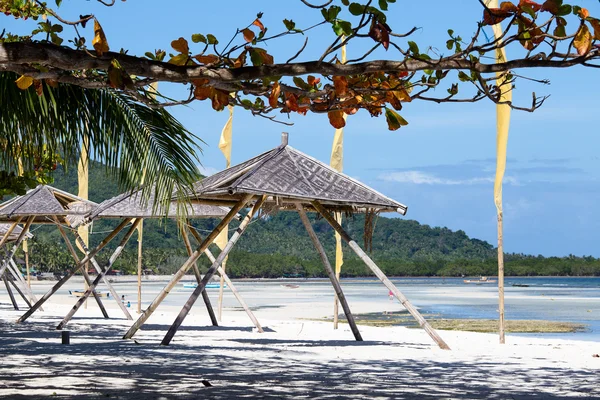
(123, 298)
(391, 294)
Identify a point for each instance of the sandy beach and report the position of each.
(294, 357)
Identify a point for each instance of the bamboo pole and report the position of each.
(101, 274)
(230, 284)
(72, 272)
(12, 282)
(12, 252)
(9, 231)
(232, 241)
(14, 269)
(84, 272)
(99, 269)
(185, 267)
(221, 290)
(139, 267)
(338, 242)
(10, 293)
(188, 246)
(28, 271)
(330, 272)
(501, 279)
(379, 273)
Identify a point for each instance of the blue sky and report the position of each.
(442, 164)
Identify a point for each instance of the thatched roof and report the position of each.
(288, 175)
(14, 234)
(43, 202)
(133, 205)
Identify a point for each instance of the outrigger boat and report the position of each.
(212, 285)
(483, 279)
(79, 293)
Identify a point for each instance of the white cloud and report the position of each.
(423, 178)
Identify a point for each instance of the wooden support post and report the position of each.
(14, 269)
(72, 272)
(501, 279)
(188, 305)
(12, 252)
(101, 274)
(230, 284)
(139, 267)
(28, 271)
(101, 271)
(379, 273)
(9, 231)
(188, 246)
(10, 293)
(14, 284)
(330, 272)
(84, 272)
(185, 267)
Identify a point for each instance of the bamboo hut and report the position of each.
(48, 205)
(286, 179)
(134, 207)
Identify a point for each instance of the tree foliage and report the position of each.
(240, 70)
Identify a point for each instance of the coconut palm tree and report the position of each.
(132, 139)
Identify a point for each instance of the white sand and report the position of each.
(294, 358)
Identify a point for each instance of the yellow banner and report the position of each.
(225, 141)
(21, 172)
(82, 178)
(502, 121)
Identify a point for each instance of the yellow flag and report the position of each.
(337, 163)
(21, 172)
(225, 141)
(502, 122)
(82, 178)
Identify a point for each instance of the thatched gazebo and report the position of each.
(48, 205)
(286, 179)
(134, 207)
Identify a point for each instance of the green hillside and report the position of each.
(278, 245)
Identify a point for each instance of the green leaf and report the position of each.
(342, 28)
(449, 44)
(331, 13)
(289, 24)
(212, 39)
(564, 10)
(450, 32)
(198, 38)
(383, 5)
(345, 2)
(412, 46)
(356, 9)
(394, 120)
(463, 77)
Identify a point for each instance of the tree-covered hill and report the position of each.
(278, 245)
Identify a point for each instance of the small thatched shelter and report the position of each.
(287, 179)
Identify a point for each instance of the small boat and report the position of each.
(212, 285)
(481, 280)
(519, 285)
(290, 286)
(80, 293)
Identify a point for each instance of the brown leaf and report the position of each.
(532, 4)
(380, 33)
(551, 6)
(39, 87)
(394, 120)
(340, 84)
(202, 92)
(583, 40)
(241, 60)
(180, 45)
(248, 35)
(99, 42)
(208, 59)
(336, 119)
(584, 13)
(24, 82)
(51, 82)
(508, 6)
(493, 16)
(259, 24)
(312, 81)
(274, 96)
(220, 99)
(596, 25)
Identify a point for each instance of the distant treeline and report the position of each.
(279, 246)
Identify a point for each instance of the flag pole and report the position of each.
(82, 180)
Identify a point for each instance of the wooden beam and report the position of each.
(12, 282)
(234, 238)
(72, 272)
(12, 267)
(379, 273)
(12, 252)
(188, 246)
(83, 270)
(9, 231)
(330, 272)
(101, 274)
(139, 267)
(186, 266)
(230, 284)
(10, 293)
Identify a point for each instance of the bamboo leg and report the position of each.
(501, 279)
(70, 273)
(330, 272)
(188, 305)
(338, 242)
(205, 297)
(139, 267)
(84, 272)
(28, 272)
(221, 271)
(101, 274)
(185, 267)
(12, 282)
(12, 252)
(12, 267)
(112, 259)
(10, 293)
(367, 260)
